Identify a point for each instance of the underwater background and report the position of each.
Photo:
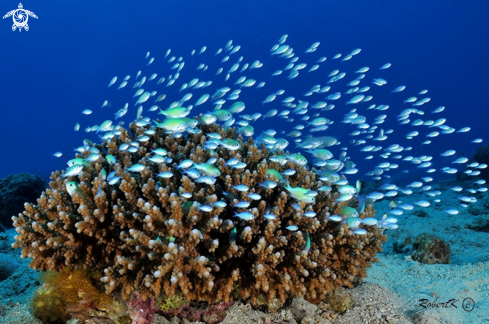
(63, 64)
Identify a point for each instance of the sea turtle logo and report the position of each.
(20, 17)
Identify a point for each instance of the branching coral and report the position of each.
(145, 235)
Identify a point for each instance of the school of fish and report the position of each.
(175, 97)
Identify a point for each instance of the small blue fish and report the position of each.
(292, 228)
(157, 159)
(192, 173)
(185, 164)
(360, 231)
(325, 189)
(244, 216)
(353, 222)
(391, 226)
(186, 195)
(206, 179)
(239, 165)
(451, 211)
(232, 162)
(310, 214)
(270, 216)
(212, 160)
(93, 157)
(219, 204)
(241, 187)
(99, 190)
(361, 204)
(242, 204)
(268, 184)
(165, 174)
(370, 221)
(296, 206)
(114, 180)
(205, 208)
(335, 218)
(136, 168)
(289, 172)
(159, 151)
(254, 196)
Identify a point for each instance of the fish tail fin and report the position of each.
(286, 185)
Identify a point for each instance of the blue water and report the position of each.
(64, 63)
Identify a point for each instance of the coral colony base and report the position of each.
(191, 205)
(145, 235)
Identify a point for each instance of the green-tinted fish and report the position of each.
(237, 107)
(353, 222)
(202, 99)
(347, 190)
(356, 99)
(187, 205)
(136, 168)
(208, 169)
(275, 173)
(297, 159)
(176, 112)
(114, 79)
(233, 236)
(299, 194)
(73, 170)
(230, 144)
(143, 98)
(111, 159)
(348, 211)
(176, 125)
(78, 161)
(72, 186)
(322, 154)
(138, 93)
(105, 126)
(222, 115)
(246, 130)
(208, 119)
(248, 83)
(308, 242)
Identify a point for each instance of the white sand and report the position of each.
(467, 276)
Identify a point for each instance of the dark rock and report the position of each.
(481, 156)
(420, 213)
(430, 249)
(8, 265)
(15, 190)
(405, 247)
(480, 227)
